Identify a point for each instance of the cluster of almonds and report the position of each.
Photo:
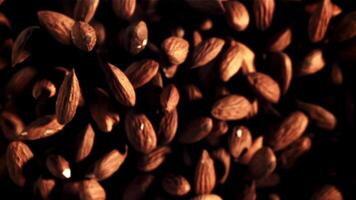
(191, 113)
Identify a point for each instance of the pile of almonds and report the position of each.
(184, 99)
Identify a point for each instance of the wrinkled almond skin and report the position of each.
(17, 155)
(108, 164)
(196, 130)
(84, 10)
(319, 21)
(321, 117)
(83, 36)
(57, 24)
(153, 160)
(239, 140)
(176, 49)
(204, 178)
(291, 128)
(85, 142)
(58, 166)
(169, 98)
(263, 11)
(206, 51)
(223, 156)
(140, 132)
(237, 15)
(290, 155)
(141, 72)
(312, 63)
(91, 190)
(231, 62)
(232, 107)
(68, 98)
(21, 47)
(176, 185)
(138, 187)
(264, 86)
(262, 163)
(327, 192)
(42, 127)
(124, 9)
(207, 197)
(167, 127)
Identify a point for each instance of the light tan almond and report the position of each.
(232, 107)
(205, 177)
(141, 72)
(206, 51)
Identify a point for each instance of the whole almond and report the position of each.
(44, 89)
(290, 155)
(206, 51)
(281, 40)
(141, 72)
(204, 178)
(91, 190)
(223, 157)
(11, 125)
(291, 128)
(134, 38)
(140, 132)
(176, 185)
(237, 15)
(232, 107)
(108, 164)
(167, 127)
(84, 10)
(231, 62)
(138, 187)
(83, 36)
(20, 81)
(263, 11)
(319, 21)
(322, 118)
(42, 127)
(282, 65)
(58, 166)
(207, 197)
(57, 24)
(262, 163)
(45, 187)
(68, 98)
(176, 49)
(17, 155)
(196, 130)
(120, 86)
(153, 160)
(85, 142)
(124, 9)
(21, 49)
(264, 86)
(327, 192)
(239, 140)
(312, 63)
(169, 98)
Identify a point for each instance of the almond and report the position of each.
(169, 98)
(220, 128)
(327, 192)
(281, 40)
(205, 178)
(124, 9)
(176, 185)
(264, 86)
(312, 63)
(20, 81)
(237, 15)
(196, 130)
(167, 127)
(282, 65)
(256, 145)
(263, 11)
(21, 49)
(91, 190)
(84, 10)
(262, 163)
(232, 107)
(11, 125)
(206, 51)
(134, 38)
(83, 36)
(176, 49)
(319, 21)
(58, 166)
(85, 142)
(239, 140)
(141, 72)
(153, 160)
(290, 155)
(231, 62)
(345, 29)
(42, 127)
(138, 187)
(207, 197)
(44, 89)
(45, 187)
(224, 158)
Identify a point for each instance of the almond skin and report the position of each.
(84, 10)
(346, 28)
(291, 128)
(124, 9)
(282, 65)
(176, 49)
(239, 140)
(207, 197)
(140, 132)
(262, 163)
(263, 11)
(319, 21)
(44, 89)
(256, 145)
(223, 156)
(205, 178)
(206, 51)
(327, 192)
(167, 127)
(11, 125)
(45, 187)
(220, 128)
(42, 127)
(91, 189)
(141, 72)
(176, 185)
(57, 24)
(237, 15)
(281, 40)
(196, 130)
(264, 86)
(153, 160)
(138, 187)
(83, 36)
(169, 98)
(290, 155)
(312, 63)
(21, 47)
(58, 166)
(85, 142)
(231, 62)
(17, 155)
(232, 107)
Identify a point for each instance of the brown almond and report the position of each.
(157, 80)
(169, 98)
(196, 130)
(91, 190)
(103, 112)
(85, 142)
(100, 31)
(71, 190)
(193, 93)
(124, 9)
(263, 11)
(140, 132)
(57, 24)
(170, 71)
(336, 75)
(312, 63)
(206, 51)
(197, 38)
(141, 72)
(220, 128)
(135, 38)
(17, 155)
(327, 192)
(232, 107)
(44, 89)
(239, 140)
(291, 128)
(153, 160)
(282, 66)
(138, 187)
(41, 128)
(281, 40)
(176, 185)
(84, 10)
(236, 15)
(231, 62)
(20, 81)
(58, 166)
(319, 21)
(175, 49)
(290, 155)
(206, 25)
(204, 178)
(211, 7)
(345, 29)
(83, 36)
(264, 86)
(68, 98)
(21, 49)
(256, 145)
(45, 187)
(269, 181)
(120, 85)
(167, 127)
(223, 157)
(262, 163)
(322, 118)
(11, 125)
(108, 164)
(207, 197)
